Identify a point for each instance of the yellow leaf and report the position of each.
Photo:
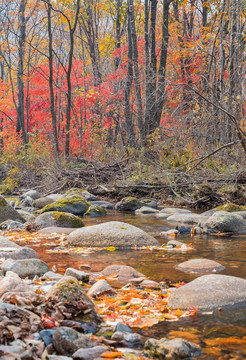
(111, 248)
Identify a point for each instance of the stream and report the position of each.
(160, 266)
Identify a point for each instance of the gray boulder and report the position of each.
(113, 233)
(95, 211)
(10, 286)
(26, 215)
(200, 266)
(78, 274)
(225, 222)
(8, 213)
(10, 250)
(56, 230)
(209, 292)
(58, 219)
(171, 211)
(25, 268)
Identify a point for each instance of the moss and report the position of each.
(69, 289)
(230, 207)
(60, 204)
(73, 220)
(146, 201)
(131, 199)
(75, 191)
(6, 189)
(95, 211)
(3, 202)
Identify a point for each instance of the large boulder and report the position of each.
(200, 266)
(25, 268)
(74, 205)
(112, 233)
(8, 212)
(58, 219)
(209, 292)
(225, 222)
(33, 194)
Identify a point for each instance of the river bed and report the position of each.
(219, 327)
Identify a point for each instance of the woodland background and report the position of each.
(138, 91)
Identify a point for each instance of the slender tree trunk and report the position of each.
(20, 72)
(136, 75)
(68, 79)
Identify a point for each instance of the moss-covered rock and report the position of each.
(95, 211)
(129, 204)
(74, 205)
(58, 219)
(230, 207)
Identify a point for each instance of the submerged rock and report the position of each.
(58, 219)
(209, 292)
(200, 266)
(113, 233)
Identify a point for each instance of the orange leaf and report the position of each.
(111, 355)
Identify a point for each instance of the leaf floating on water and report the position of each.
(111, 248)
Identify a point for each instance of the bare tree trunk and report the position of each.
(136, 75)
(51, 84)
(20, 72)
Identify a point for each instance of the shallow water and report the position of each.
(160, 266)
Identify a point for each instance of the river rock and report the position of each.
(42, 202)
(54, 197)
(146, 210)
(74, 205)
(50, 275)
(129, 204)
(58, 219)
(95, 211)
(173, 210)
(66, 341)
(26, 202)
(90, 353)
(171, 349)
(56, 230)
(112, 233)
(10, 286)
(27, 215)
(26, 268)
(8, 213)
(123, 274)
(104, 204)
(68, 288)
(20, 253)
(178, 246)
(223, 221)
(33, 194)
(186, 218)
(78, 274)
(200, 266)
(99, 288)
(209, 292)
(131, 340)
